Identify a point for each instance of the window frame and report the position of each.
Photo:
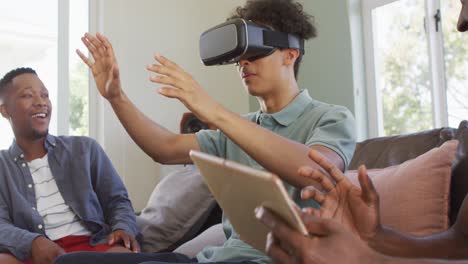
(436, 66)
(95, 101)
(63, 75)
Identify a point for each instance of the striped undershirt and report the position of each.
(59, 219)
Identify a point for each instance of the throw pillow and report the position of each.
(414, 196)
(177, 208)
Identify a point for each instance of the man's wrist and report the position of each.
(115, 229)
(38, 239)
(124, 227)
(118, 99)
(220, 117)
(377, 238)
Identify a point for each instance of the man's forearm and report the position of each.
(156, 141)
(111, 192)
(122, 216)
(275, 153)
(394, 260)
(444, 245)
(16, 241)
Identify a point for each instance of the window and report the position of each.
(456, 63)
(416, 69)
(44, 36)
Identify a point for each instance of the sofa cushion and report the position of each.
(178, 207)
(414, 196)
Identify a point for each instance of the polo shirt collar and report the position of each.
(291, 112)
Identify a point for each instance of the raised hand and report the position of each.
(104, 67)
(355, 208)
(181, 85)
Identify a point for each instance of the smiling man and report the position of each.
(57, 194)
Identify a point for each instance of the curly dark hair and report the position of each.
(8, 78)
(283, 15)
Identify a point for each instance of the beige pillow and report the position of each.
(414, 196)
(176, 210)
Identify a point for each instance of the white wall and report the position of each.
(137, 30)
(333, 66)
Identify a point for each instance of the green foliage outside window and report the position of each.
(406, 90)
(79, 100)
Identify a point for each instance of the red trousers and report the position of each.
(77, 243)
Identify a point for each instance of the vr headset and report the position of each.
(228, 42)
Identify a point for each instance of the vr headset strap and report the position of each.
(282, 40)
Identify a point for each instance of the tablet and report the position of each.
(239, 189)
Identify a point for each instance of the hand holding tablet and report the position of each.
(239, 189)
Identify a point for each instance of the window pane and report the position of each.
(456, 63)
(78, 103)
(402, 66)
(28, 38)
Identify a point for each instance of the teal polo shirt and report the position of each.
(304, 120)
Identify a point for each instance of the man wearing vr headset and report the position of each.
(265, 39)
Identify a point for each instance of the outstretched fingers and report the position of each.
(170, 92)
(167, 62)
(310, 192)
(106, 43)
(369, 193)
(84, 58)
(329, 167)
(171, 74)
(171, 68)
(91, 48)
(318, 176)
(99, 47)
